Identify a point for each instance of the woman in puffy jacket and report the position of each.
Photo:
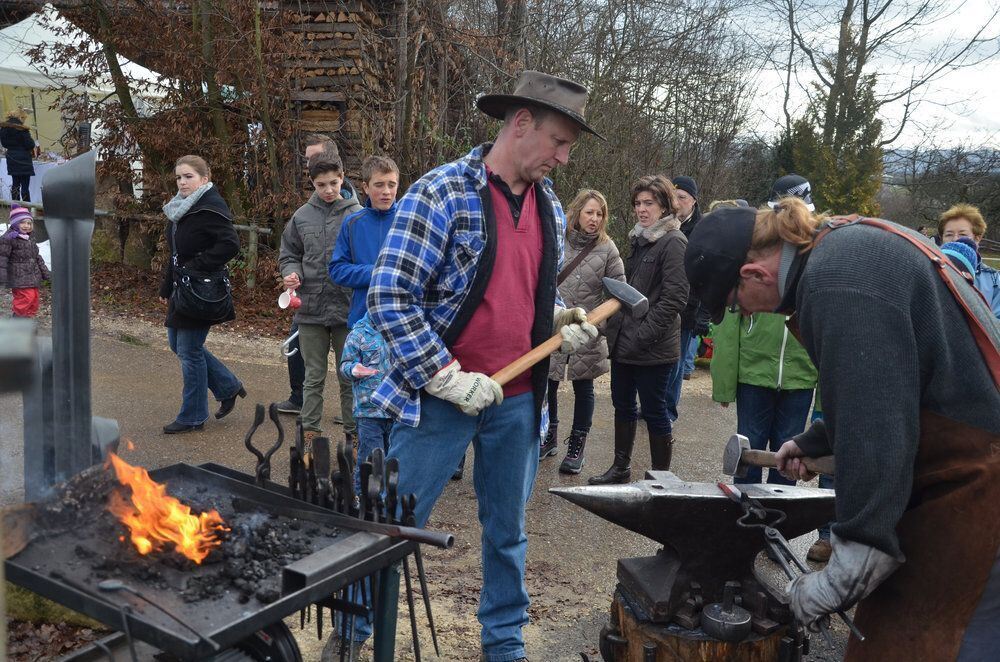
(200, 235)
(16, 138)
(645, 351)
(581, 285)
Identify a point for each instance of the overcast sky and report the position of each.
(973, 116)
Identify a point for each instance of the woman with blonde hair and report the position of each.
(908, 364)
(644, 352)
(965, 224)
(591, 256)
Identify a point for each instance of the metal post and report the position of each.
(252, 258)
(68, 194)
(385, 615)
(39, 413)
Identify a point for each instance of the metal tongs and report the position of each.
(263, 471)
(757, 516)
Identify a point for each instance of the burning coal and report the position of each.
(155, 518)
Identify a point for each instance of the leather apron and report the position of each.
(950, 535)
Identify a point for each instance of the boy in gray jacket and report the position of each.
(306, 245)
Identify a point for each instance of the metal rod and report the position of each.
(422, 577)
(412, 609)
(104, 213)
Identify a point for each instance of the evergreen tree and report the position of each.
(836, 147)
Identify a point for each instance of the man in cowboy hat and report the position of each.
(465, 284)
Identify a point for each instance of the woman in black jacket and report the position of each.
(645, 351)
(200, 236)
(16, 139)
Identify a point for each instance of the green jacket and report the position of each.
(760, 351)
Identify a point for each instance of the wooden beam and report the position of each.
(351, 28)
(307, 95)
(329, 81)
(326, 7)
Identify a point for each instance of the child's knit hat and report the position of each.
(18, 214)
(961, 255)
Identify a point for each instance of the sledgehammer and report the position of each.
(620, 295)
(739, 457)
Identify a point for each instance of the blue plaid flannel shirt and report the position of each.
(423, 274)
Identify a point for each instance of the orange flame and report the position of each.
(154, 518)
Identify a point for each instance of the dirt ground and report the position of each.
(572, 554)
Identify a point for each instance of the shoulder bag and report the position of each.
(200, 295)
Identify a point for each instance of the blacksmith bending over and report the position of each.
(912, 413)
(465, 284)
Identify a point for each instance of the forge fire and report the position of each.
(156, 519)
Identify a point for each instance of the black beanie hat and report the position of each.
(685, 183)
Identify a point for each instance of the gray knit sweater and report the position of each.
(889, 340)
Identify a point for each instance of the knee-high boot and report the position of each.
(661, 450)
(620, 470)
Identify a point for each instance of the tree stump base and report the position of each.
(645, 641)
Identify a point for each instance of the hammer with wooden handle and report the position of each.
(620, 295)
(739, 457)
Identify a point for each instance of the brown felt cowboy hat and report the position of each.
(544, 90)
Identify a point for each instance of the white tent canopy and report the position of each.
(17, 69)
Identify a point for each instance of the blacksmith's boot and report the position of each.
(620, 470)
(573, 461)
(661, 449)
(550, 445)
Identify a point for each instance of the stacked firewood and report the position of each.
(343, 78)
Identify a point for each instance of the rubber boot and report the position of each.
(620, 470)
(550, 444)
(661, 449)
(573, 461)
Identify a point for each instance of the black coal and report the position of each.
(248, 562)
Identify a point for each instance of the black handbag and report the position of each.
(202, 295)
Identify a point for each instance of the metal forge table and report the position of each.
(344, 555)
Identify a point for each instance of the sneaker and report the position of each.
(289, 407)
(820, 551)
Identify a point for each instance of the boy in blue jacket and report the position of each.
(363, 233)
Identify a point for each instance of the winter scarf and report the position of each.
(656, 230)
(179, 205)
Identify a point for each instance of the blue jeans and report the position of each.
(372, 433)
(769, 417)
(676, 377)
(505, 439)
(826, 482)
(202, 372)
(649, 382)
(690, 352)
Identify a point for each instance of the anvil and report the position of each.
(697, 525)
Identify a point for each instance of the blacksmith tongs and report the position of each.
(757, 516)
(263, 472)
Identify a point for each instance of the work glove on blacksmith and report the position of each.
(576, 331)
(854, 571)
(471, 392)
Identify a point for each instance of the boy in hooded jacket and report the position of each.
(306, 245)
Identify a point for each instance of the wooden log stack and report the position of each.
(342, 80)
